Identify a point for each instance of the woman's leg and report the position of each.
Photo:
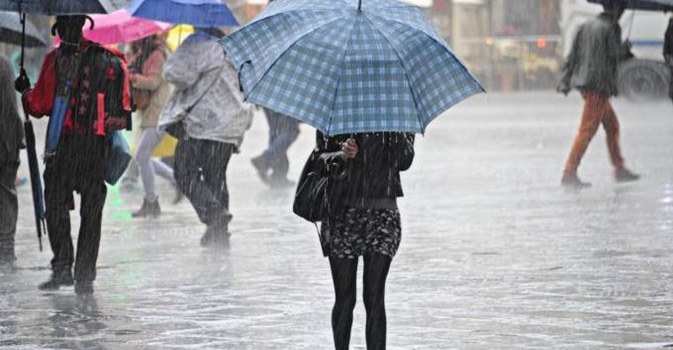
(148, 141)
(374, 280)
(344, 276)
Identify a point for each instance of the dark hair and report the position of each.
(611, 5)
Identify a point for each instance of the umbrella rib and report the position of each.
(406, 74)
(266, 72)
(336, 91)
(435, 40)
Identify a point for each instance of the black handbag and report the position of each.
(177, 130)
(311, 200)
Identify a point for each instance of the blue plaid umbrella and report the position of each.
(345, 69)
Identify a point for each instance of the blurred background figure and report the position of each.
(283, 131)
(668, 53)
(11, 140)
(150, 93)
(209, 109)
(592, 68)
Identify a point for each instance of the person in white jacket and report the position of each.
(208, 104)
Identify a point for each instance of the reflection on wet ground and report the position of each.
(495, 255)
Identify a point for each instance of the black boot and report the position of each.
(84, 287)
(217, 234)
(148, 209)
(58, 278)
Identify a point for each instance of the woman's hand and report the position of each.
(349, 149)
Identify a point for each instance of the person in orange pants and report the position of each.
(592, 69)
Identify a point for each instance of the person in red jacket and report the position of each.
(92, 83)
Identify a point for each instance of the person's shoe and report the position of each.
(84, 287)
(8, 265)
(148, 209)
(217, 234)
(58, 279)
(262, 169)
(281, 183)
(625, 175)
(570, 180)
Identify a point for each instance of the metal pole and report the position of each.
(359, 5)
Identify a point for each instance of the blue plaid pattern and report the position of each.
(322, 62)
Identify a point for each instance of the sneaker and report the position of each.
(84, 287)
(262, 169)
(570, 180)
(625, 175)
(148, 209)
(58, 279)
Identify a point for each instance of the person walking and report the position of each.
(592, 68)
(91, 84)
(283, 131)
(152, 92)
(11, 141)
(668, 54)
(363, 221)
(208, 105)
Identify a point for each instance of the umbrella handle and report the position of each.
(23, 37)
(240, 81)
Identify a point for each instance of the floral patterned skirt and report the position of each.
(357, 231)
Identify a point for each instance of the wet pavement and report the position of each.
(494, 255)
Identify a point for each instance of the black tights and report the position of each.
(344, 275)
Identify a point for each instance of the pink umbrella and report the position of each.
(120, 27)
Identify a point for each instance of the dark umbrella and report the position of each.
(650, 5)
(11, 31)
(57, 7)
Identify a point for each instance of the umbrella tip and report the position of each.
(359, 5)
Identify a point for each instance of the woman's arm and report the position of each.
(151, 78)
(403, 150)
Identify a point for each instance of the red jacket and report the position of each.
(39, 101)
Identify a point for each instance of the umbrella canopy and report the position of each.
(650, 5)
(200, 13)
(345, 70)
(57, 7)
(10, 31)
(120, 27)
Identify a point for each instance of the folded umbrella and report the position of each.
(649, 5)
(120, 27)
(345, 67)
(200, 13)
(11, 31)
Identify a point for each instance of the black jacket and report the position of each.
(593, 62)
(372, 178)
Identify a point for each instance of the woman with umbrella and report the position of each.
(151, 92)
(366, 74)
(363, 221)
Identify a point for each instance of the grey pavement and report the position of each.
(494, 255)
